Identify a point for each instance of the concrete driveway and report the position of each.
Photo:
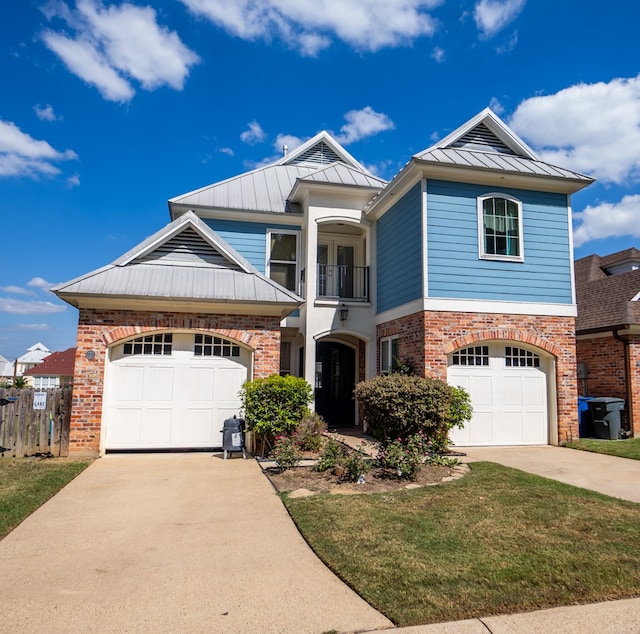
(170, 543)
(617, 477)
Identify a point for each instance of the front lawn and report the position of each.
(496, 541)
(622, 448)
(26, 484)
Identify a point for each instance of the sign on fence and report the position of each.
(39, 400)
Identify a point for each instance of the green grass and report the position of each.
(622, 448)
(496, 541)
(27, 484)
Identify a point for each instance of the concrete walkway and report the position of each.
(617, 477)
(170, 543)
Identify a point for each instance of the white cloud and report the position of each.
(310, 26)
(592, 128)
(226, 150)
(73, 180)
(288, 140)
(607, 220)
(22, 155)
(46, 113)
(33, 327)
(20, 307)
(438, 54)
(16, 290)
(496, 106)
(492, 16)
(114, 45)
(39, 282)
(363, 123)
(255, 134)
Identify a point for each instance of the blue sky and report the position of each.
(110, 109)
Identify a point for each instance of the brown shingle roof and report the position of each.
(604, 301)
(56, 364)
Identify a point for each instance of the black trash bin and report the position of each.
(605, 414)
(233, 436)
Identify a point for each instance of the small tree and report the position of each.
(274, 406)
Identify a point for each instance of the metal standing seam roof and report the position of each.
(498, 161)
(192, 278)
(321, 159)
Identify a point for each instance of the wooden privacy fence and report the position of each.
(35, 421)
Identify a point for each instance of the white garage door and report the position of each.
(172, 390)
(508, 389)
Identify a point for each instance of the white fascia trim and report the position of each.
(571, 258)
(405, 310)
(240, 215)
(425, 249)
(499, 307)
(356, 222)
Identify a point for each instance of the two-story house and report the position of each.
(460, 266)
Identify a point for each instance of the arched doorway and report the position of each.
(335, 379)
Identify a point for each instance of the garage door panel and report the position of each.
(128, 383)
(227, 384)
(534, 428)
(155, 428)
(158, 384)
(196, 426)
(534, 390)
(481, 432)
(125, 428)
(201, 384)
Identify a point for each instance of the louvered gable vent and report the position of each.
(319, 154)
(483, 140)
(188, 248)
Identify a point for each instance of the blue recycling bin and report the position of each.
(585, 419)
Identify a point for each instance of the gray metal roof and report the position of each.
(498, 161)
(341, 174)
(320, 159)
(184, 261)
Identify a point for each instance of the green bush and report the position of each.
(398, 406)
(357, 463)
(274, 406)
(334, 453)
(404, 457)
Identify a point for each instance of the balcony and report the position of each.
(341, 281)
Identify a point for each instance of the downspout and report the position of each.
(627, 374)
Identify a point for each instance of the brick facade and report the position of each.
(100, 329)
(607, 374)
(427, 338)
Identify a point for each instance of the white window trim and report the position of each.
(389, 361)
(267, 268)
(481, 239)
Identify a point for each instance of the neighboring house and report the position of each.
(461, 266)
(6, 370)
(34, 355)
(608, 330)
(56, 370)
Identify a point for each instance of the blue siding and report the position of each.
(399, 252)
(455, 270)
(249, 239)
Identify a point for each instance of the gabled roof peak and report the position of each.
(486, 132)
(319, 151)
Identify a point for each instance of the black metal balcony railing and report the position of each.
(341, 281)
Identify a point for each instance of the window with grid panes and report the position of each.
(158, 344)
(210, 346)
(474, 355)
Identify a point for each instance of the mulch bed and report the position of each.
(376, 481)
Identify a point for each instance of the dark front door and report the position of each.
(335, 380)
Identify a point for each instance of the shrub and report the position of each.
(274, 406)
(404, 457)
(286, 452)
(396, 406)
(309, 432)
(357, 464)
(333, 453)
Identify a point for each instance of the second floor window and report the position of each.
(283, 259)
(500, 227)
